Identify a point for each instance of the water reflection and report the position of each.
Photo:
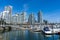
(1, 37)
(27, 35)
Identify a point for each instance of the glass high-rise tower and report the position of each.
(8, 13)
(40, 17)
(31, 19)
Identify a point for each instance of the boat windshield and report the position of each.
(46, 28)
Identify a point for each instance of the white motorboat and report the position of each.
(49, 30)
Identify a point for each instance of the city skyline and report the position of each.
(50, 8)
(20, 17)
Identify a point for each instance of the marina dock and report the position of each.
(35, 28)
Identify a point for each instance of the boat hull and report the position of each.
(49, 33)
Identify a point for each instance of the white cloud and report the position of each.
(25, 7)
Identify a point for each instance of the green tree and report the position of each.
(45, 21)
(2, 21)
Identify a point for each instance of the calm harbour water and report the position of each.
(27, 35)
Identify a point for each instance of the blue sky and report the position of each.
(49, 8)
